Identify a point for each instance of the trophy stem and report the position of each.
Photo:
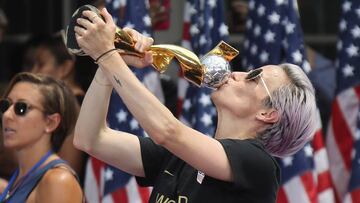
(162, 56)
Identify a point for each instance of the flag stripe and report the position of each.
(355, 196)
(281, 196)
(295, 186)
(339, 173)
(318, 141)
(343, 137)
(309, 185)
(324, 179)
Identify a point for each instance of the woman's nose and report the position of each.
(237, 75)
(8, 113)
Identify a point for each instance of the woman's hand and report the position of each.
(142, 44)
(95, 36)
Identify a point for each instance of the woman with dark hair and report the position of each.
(37, 115)
(53, 59)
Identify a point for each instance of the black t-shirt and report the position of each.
(256, 175)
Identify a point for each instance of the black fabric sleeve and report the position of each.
(252, 167)
(153, 157)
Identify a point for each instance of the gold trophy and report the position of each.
(209, 71)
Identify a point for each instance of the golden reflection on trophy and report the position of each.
(209, 71)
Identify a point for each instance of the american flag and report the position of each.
(273, 35)
(204, 28)
(343, 136)
(104, 183)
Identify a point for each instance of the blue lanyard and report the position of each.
(16, 173)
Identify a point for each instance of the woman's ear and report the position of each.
(268, 116)
(52, 122)
(66, 69)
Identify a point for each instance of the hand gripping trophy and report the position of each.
(209, 71)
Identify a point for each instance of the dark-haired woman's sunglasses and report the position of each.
(20, 107)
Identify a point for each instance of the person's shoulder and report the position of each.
(59, 179)
(59, 175)
(59, 183)
(240, 149)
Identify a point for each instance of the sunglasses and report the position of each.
(256, 74)
(20, 107)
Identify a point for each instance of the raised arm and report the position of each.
(200, 151)
(92, 135)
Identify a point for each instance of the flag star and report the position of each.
(147, 20)
(134, 124)
(261, 10)
(211, 22)
(306, 66)
(223, 29)
(357, 12)
(357, 134)
(121, 116)
(206, 119)
(287, 161)
(356, 32)
(212, 3)
(257, 30)
(289, 28)
(342, 25)
(352, 50)
(339, 45)
(201, 22)
(280, 2)
(115, 20)
(191, 10)
(346, 6)
(249, 24)
(285, 44)
(308, 150)
(253, 49)
(205, 100)
(145, 33)
(353, 153)
(274, 18)
(251, 5)
(297, 56)
(109, 174)
(348, 70)
(187, 104)
(129, 25)
(264, 57)
(193, 119)
(246, 44)
(269, 36)
(115, 4)
(122, 2)
(244, 62)
(202, 40)
(194, 30)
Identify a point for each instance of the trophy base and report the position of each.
(70, 39)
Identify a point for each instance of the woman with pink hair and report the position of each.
(263, 113)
